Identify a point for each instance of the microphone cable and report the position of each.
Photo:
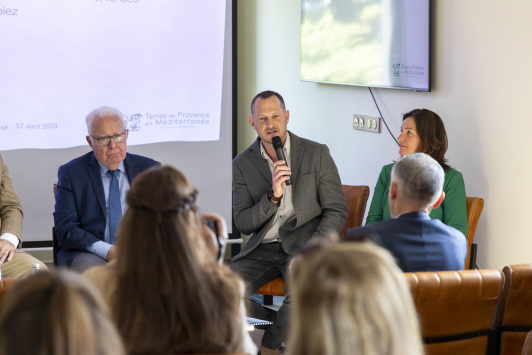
(382, 118)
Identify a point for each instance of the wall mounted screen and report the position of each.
(377, 43)
(159, 61)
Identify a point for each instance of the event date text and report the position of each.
(29, 126)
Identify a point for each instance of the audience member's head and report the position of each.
(107, 136)
(351, 298)
(416, 184)
(56, 314)
(423, 131)
(172, 296)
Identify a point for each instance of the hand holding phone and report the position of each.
(217, 228)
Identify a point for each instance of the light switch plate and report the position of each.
(367, 123)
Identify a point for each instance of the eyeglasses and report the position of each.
(118, 138)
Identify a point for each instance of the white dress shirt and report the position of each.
(10, 237)
(285, 212)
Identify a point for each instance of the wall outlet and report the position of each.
(367, 123)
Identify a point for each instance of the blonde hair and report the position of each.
(351, 298)
(56, 314)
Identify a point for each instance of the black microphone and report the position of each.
(278, 146)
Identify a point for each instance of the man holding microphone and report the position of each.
(281, 217)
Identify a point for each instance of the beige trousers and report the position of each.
(20, 265)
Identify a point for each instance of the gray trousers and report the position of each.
(263, 264)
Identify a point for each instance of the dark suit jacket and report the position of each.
(418, 242)
(79, 215)
(317, 195)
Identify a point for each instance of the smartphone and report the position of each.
(221, 241)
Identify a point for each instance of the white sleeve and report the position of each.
(10, 237)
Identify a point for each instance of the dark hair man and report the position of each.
(281, 219)
(417, 242)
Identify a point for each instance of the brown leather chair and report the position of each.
(456, 309)
(527, 348)
(514, 311)
(475, 205)
(356, 198)
(5, 286)
(275, 287)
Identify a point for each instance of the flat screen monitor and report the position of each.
(374, 43)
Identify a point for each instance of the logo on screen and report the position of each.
(133, 122)
(396, 69)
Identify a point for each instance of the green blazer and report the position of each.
(452, 212)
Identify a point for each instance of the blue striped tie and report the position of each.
(115, 207)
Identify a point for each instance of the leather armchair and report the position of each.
(514, 311)
(356, 198)
(475, 205)
(527, 348)
(275, 287)
(456, 309)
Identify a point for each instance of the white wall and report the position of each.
(482, 60)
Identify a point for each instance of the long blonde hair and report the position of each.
(56, 314)
(351, 298)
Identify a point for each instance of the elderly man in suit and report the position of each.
(417, 242)
(281, 219)
(14, 262)
(91, 194)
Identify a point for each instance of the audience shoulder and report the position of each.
(353, 233)
(450, 229)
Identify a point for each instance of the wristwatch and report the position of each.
(276, 201)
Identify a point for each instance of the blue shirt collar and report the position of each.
(103, 168)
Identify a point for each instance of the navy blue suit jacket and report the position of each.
(79, 215)
(417, 242)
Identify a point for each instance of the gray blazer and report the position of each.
(318, 198)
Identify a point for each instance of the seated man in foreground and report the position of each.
(14, 262)
(416, 241)
(91, 192)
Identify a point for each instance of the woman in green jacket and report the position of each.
(423, 131)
